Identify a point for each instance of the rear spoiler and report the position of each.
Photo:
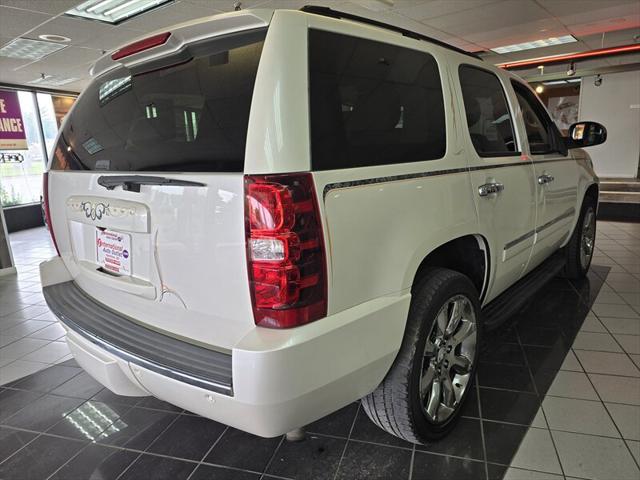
(182, 34)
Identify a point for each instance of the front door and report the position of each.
(502, 180)
(555, 173)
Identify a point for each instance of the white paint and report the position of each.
(615, 104)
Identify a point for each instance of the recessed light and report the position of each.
(27, 48)
(54, 38)
(114, 11)
(547, 42)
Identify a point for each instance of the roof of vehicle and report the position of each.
(328, 12)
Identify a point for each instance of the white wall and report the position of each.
(616, 105)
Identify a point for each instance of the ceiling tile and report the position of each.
(420, 10)
(14, 22)
(568, 8)
(489, 17)
(113, 39)
(169, 15)
(52, 7)
(79, 30)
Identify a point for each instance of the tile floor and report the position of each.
(557, 396)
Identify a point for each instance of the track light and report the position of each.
(572, 69)
(598, 81)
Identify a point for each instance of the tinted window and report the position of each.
(372, 103)
(488, 116)
(188, 112)
(537, 123)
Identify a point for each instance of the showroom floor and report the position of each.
(557, 396)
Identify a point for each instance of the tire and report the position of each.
(579, 250)
(397, 404)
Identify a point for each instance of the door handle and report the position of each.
(545, 178)
(489, 189)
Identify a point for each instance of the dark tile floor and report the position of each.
(58, 423)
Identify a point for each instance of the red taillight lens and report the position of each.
(141, 45)
(285, 250)
(47, 213)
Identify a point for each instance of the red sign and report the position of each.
(12, 133)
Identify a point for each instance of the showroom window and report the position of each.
(488, 115)
(21, 168)
(372, 103)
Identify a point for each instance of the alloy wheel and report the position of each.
(448, 359)
(587, 242)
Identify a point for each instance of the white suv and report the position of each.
(264, 216)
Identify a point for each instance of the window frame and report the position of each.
(516, 140)
(441, 74)
(557, 144)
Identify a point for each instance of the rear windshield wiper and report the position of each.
(132, 183)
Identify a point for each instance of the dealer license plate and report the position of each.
(114, 251)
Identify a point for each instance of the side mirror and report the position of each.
(586, 134)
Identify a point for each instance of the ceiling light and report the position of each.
(54, 38)
(25, 48)
(571, 71)
(517, 47)
(114, 11)
(540, 89)
(52, 80)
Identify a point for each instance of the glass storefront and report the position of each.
(21, 170)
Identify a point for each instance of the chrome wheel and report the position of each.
(587, 242)
(448, 359)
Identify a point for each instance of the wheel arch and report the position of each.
(467, 254)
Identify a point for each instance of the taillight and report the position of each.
(285, 250)
(47, 213)
(141, 45)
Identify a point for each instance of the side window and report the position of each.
(539, 127)
(488, 116)
(372, 103)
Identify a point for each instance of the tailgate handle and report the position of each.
(132, 183)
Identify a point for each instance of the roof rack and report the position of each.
(328, 12)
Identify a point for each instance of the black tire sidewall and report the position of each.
(579, 270)
(425, 306)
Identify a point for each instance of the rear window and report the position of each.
(372, 103)
(188, 112)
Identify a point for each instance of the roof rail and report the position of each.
(328, 12)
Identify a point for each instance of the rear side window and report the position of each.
(372, 103)
(488, 116)
(188, 112)
(542, 133)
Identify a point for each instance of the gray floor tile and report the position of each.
(50, 353)
(572, 385)
(536, 452)
(607, 363)
(54, 331)
(571, 363)
(603, 342)
(592, 324)
(19, 369)
(520, 474)
(610, 310)
(587, 456)
(580, 416)
(636, 359)
(627, 326)
(634, 446)
(21, 347)
(630, 343)
(617, 389)
(627, 418)
(26, 327)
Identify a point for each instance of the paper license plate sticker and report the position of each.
(114, 251)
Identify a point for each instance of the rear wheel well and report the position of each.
(468, 255)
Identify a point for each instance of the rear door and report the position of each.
(556, 174)
(502, 180)
(146, 189)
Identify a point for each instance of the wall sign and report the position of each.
(12, 133)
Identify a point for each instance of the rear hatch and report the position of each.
(146, 188)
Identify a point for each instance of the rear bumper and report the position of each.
(279, 379)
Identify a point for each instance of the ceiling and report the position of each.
(474, 25)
